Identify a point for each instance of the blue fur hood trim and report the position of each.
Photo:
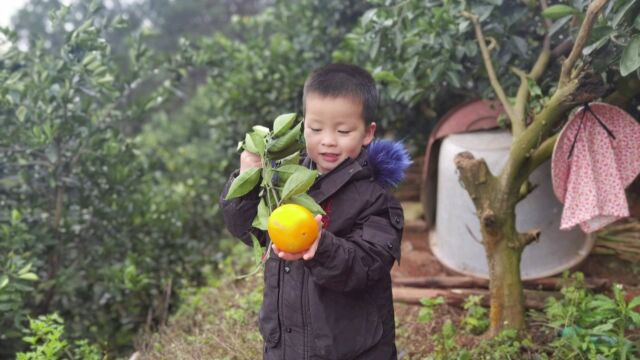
(388, 160)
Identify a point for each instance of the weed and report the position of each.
(45, 339)
(592, 326)
(476, 320)
(428, 306)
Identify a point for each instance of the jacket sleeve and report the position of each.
(238, 213)
(366, 255)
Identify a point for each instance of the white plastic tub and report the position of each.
(455, 238)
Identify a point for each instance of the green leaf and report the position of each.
(621, 13)
(598, 44)
(21, 113)
(292, 159)
(262, 217)
(385, 76)
(16, 216)
(630, 60)
(285, 171)
(282, 143)
(283, 123)
(308, 202)
(635, 302)
(25, 269)
(261, 130)
(534, 89)
(254, 143)
(257, 249)
(298, 183)
(558, 11)
(29, 276)
(119, 22)
(244, 183)
(559, 24)
(4, 281)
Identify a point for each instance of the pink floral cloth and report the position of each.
(590, 179)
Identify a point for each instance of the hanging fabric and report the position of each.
(596, 157)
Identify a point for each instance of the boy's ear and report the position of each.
(370, 131)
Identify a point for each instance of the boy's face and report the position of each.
(334, 130)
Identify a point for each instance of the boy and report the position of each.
(334, 300)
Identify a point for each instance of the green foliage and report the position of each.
(86, 229)
(425, 54)
(476, 320)
(505, 346)
(46, 342)
(593, 326)
(427, 308)
(445, 346)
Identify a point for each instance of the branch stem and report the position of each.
(486, 58)
(581, 39)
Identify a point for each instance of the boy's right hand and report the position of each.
(249, 160)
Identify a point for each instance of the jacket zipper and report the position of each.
(281, 265)
(305, 308)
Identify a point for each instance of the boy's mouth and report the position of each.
(329, 157)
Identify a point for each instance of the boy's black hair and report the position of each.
(337, 80)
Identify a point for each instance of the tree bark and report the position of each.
(507, 297)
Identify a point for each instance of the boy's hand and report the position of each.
(249, 160)
(304, 255)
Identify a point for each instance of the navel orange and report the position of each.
(292, 228)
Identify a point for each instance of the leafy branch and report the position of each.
(284, 181)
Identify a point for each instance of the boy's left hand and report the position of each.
(304, 255)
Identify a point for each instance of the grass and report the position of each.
(215, 323)
(219, 322)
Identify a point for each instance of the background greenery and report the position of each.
(120, 122)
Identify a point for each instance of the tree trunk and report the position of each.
(495, 201)
(507, 296)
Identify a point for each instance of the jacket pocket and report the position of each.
(269, 322)
(385, 232)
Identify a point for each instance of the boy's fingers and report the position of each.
(309, 254)
(289, 257)
(285, 255)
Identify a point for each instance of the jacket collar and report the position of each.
(329, 183)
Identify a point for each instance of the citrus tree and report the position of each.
(85, 229)
(539, 60)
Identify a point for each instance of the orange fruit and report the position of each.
(292, 228)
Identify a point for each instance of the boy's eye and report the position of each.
(314, 129)
(344, 131)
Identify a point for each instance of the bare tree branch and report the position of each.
(486, 57)
(537, 70)
(581, 39)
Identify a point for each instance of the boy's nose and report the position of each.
(328, 140)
